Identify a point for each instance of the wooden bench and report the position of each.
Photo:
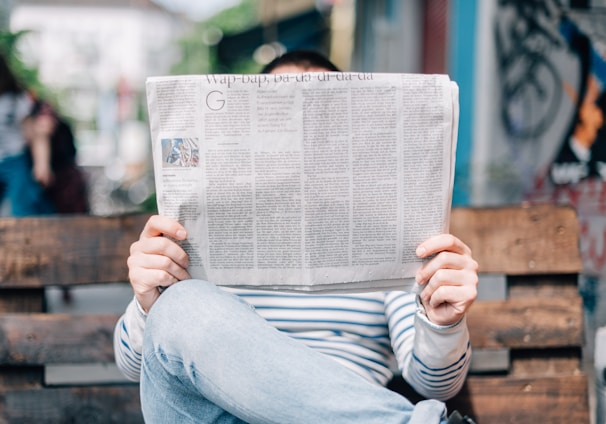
(527, 345)
(527, 324)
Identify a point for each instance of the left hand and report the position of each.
(449, 280)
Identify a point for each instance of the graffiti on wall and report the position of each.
(531, 87)
(551, 60)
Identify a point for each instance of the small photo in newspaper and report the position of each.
(180, 152)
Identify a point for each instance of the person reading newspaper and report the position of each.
(210, 354)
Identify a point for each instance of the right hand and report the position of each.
(157, 261)
(43, 174)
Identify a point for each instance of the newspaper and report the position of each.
(307, 182)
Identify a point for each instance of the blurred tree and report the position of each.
(27, 75)
(198, 46)
(8, 47)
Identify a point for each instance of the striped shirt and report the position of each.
(369, 333)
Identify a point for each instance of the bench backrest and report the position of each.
(527, 324)
(526, 330)
(60, 251)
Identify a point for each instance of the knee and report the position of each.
(189, 306)
(183, 301)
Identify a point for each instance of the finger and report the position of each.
(445, 260)
(159, 225)
(145, 280)
(442, 242)
(449, 277)
(449, 304)
(161, 267)
(458, 297)
(161, 246)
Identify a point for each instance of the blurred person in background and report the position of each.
(65, 185)
(21, 182)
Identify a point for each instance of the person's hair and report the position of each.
(8, 81)
(305, 59)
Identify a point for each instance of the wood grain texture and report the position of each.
(63, 338)
(91, 405)
(22, 300)
(494, 399)
(520, 240)
(526, 323)
(547, 400)
(65, 250)
(540, 323)
(37, 339)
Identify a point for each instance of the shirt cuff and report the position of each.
(141, 312)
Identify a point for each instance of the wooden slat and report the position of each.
(525, 363)
(61, 250)
(563, 286)
(519, 323)
(519, 240)
(526, 323)
(21, 377)
(541, 322)
(107, 405)
(88, 249)
(545, 400)
(494, 399)
(22, 300)
(36, 339)
(63, 338)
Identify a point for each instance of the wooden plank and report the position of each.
(525, 363)
(544, 400)
(557, 285)
(63, 338)
(21, 377)
(496, 399)
(37, 251)
(22, 300)
(63, 250)
(541, 239)
(108, 405)
(526, 323)
(37, 339)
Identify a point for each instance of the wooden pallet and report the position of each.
(527, 343)
(527, 332)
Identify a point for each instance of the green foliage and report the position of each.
(149, 204)
(198, 57)
(237, 18)
(8, 47)
(26, 75)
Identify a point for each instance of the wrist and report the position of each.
(145, 301)
(426, 315)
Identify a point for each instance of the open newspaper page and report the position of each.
(312, 182)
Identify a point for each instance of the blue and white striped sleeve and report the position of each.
(434, 359)
(128, 341)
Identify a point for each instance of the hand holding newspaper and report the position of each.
(313, 182)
